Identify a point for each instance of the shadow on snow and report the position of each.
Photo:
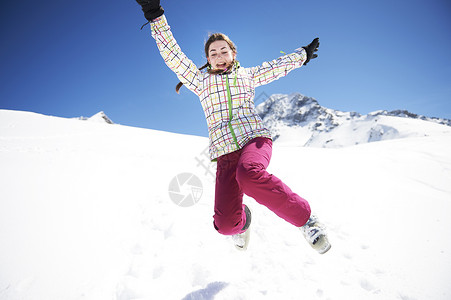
(207, 293)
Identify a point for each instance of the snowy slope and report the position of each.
(85, 213)
(299, 120)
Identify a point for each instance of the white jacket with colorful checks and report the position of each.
(227, 99)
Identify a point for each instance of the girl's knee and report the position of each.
(249, 172)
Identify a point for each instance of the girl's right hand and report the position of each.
(151, 9)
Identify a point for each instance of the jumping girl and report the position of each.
(239, 141)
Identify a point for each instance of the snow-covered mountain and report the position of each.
(86, 213)
(98, 117)
(300, 120)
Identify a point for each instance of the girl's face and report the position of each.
(220, 56)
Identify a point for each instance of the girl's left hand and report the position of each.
(311, 49)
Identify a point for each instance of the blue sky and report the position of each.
(75, 58)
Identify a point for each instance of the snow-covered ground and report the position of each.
(85, 213)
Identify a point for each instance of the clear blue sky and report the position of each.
(75, 58)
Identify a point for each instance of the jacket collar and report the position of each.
(235, 66)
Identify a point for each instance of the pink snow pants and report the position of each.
(244, 171)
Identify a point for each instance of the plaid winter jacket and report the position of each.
(227, 99)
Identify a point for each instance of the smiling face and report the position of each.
(220, 55)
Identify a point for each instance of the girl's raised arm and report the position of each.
(273, 70)
(175, 59)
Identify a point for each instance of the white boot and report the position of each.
(241, 240)
(315, 234)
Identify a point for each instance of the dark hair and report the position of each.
(212, 38)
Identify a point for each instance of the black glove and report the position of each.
(311, 49)
(151, 9)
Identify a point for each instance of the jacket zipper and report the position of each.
(229, 100)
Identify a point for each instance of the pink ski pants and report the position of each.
(244, 171)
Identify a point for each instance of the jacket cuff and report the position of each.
(301, 51)
(159, 25)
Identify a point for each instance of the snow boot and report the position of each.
(241, 240)
(315, 234)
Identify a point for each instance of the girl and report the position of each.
(239, 142)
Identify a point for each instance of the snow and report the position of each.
(85, 213)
